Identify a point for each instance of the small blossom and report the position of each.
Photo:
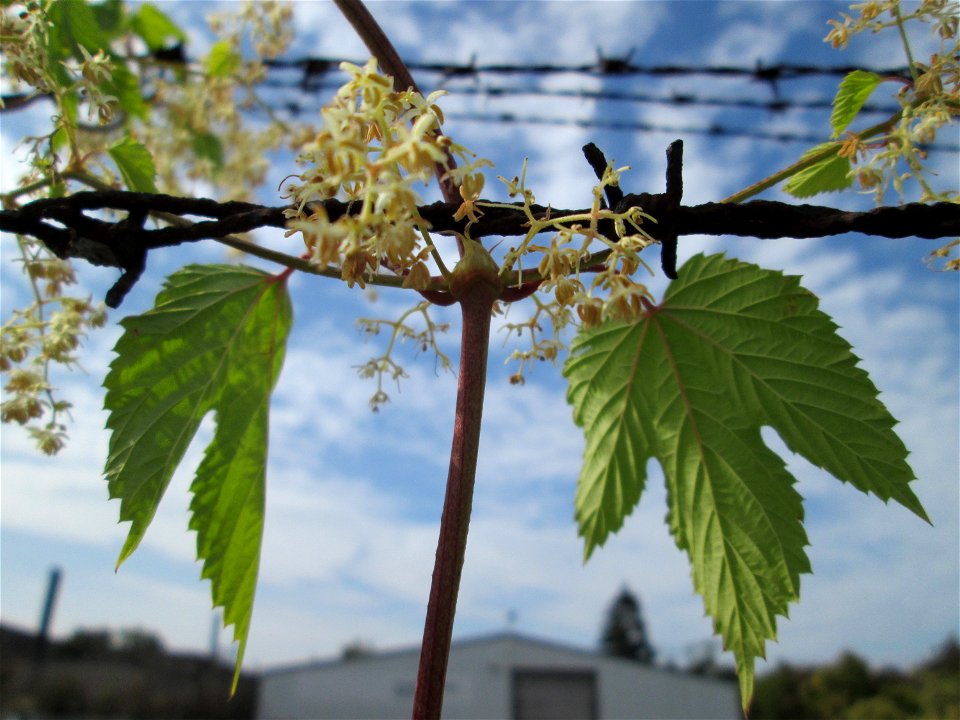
(418, 278)
(590, 312)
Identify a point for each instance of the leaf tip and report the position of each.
(236, 677)
(588, 547)
(745, 676)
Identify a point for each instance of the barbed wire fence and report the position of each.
(66, 229)
(302, 84)
(63, 226)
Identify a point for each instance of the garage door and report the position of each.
(554, 695)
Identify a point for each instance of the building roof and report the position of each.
(520, 639)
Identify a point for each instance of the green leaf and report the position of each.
(222, 60)
(828, 174)
(135, 164)
(109, 16)
(207, 145)
(73, 24)
(853, 92)
(155, 27)
(125, 86)
(732, 348)
(214, 341)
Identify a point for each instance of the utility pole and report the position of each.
(46, 617)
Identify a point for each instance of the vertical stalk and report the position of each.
(475, 307)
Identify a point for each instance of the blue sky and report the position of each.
(354, 497)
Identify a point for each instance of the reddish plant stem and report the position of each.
(454, 523)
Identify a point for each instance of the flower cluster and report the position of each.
(400, 329)
(73, 83)
(35, 338)
(877, 15)
(375, 145)
(24, 46)
(577, 248)
(540, 348)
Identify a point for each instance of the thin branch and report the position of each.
(476, 287)
(807, 161)
(757, 218)
(63, 227)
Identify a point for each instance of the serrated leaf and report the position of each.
(828, 174)
(155, 28)
(214, 342)
(135, 164)
(852, 93)
(222, 60)
(732, 348)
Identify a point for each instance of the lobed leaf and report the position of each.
(732, 348)
(214, 342)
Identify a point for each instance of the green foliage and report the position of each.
(155, 28)
(832, 689)
(826, 174)
(125, 86)
(80, 30)
(135, 165)
(109, 16)
(732, 348)
(853, 92)
(207, 145)
(848, 688)
(222, 60)
(73, 25)
(214, 341)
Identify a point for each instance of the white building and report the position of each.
(497, 676)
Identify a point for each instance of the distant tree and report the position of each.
(847, 688)
(625, 634)
(878, 707)
(87, 643)
(946, 660)
(938, 681)
(356, 649)
(777, 694)
(140, 644)
(833, 688)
